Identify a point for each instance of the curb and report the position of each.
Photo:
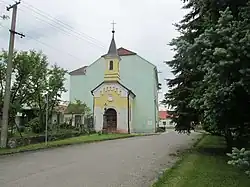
(70, 144)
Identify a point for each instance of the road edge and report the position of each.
(54, 146)
(180, 158)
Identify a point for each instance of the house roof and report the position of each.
(115, 82)
(61, 108)
(125, 52)
(80, 71)
(164, 115)
(121, 52)
(112, 52)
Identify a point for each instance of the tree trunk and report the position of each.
(72, 116)
(229, 139)
(242, 138)
(41, 124)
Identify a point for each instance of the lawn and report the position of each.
(69, 141)
(205, 166)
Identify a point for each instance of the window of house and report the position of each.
(111, 64)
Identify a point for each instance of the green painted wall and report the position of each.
(138, 75)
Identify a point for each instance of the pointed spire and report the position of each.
(112, 48)
(112, 52)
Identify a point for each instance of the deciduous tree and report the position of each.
(32, 78)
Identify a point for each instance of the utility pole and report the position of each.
(5, 117)
(47, 116)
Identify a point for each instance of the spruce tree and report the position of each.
(211, 84)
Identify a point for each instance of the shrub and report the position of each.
(21, 129)
(161, 129)
(35, 125)
(66, 126)
(12, 143)
(240, 158)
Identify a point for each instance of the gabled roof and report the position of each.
(115, 82)
(125, 52)
(80, 71)
(121, 52)
(61, 108)
(164, 115)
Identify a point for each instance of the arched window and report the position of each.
(111, 64)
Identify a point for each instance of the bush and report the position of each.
(35, 125)
(212, 130)
(161, 129)
(241, 159)
(66, 126)
(21, 129)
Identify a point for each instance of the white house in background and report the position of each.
(61, 115)
(164, 119)
(74, 119)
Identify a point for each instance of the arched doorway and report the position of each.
(111, 120)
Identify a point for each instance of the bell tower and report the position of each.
(112, 68)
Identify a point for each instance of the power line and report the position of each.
(47, 45)
(52, 47)
(62, 30)
(53, 26)
(65, 28)
(64, 25)
(43, 43)
(60, 26)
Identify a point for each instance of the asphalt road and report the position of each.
(132, 162)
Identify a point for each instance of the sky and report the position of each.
(75, 33)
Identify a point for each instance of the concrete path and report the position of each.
(133, 162)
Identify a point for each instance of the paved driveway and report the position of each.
(133, 162)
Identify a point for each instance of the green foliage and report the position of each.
(78, 107)
(240, 158)
(203, 166)
(35, 125)
(31, 79)
(212, 70)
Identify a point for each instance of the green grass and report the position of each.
(204, 166)
(24, 134)
(31, 134)
(69, 141)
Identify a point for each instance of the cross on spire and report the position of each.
(113, 23)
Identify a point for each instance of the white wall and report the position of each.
(168, 124)
(67, 117)
(121, 119)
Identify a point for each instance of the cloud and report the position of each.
(4, 33)
(143, 26)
